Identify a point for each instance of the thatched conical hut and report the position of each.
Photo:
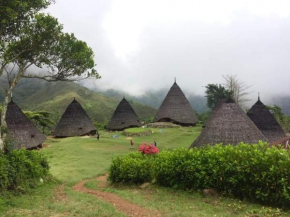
(22, 132)
(216, 108)
(229, 125)
(176, 108)
(124, 117)
(74, 122)
(265, 121)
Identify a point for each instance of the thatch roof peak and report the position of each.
(265, 121)
(22, 132)
(124, 117)
(176, 108)
(74, 122)
(229, 125)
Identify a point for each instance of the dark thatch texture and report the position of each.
(265, 121)
(216, 108)
(22, 132)
(74, 122)
(124, 117)
(175, 108)
(229, 125)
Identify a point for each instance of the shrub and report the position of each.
(20, 169)
(255, 172)
(132, 168)
(144, 148)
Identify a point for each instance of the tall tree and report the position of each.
(237, 88)
(38, 41)
(214, 93)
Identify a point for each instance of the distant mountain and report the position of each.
(155, 98)
(36, 95)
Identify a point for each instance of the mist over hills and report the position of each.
(34, 94)
(54, 97)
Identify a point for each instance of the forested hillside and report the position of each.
(37, 95)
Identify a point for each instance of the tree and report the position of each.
(38, 41)
(214, 93)
(40, 118)
(281, 118)
(237, 88)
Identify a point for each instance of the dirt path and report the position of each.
(119, 203)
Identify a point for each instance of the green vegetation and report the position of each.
(74, 159)
(283, 120)
(55, 97)
(21, 169)
(255, 172)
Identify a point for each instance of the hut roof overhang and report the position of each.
(176, 108)
(74, 122)
(266, 122)
(124, 117)
(229, 125)
(22, 132)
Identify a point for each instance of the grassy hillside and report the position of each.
(55, 97)
(79, 158)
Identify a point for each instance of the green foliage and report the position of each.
(40, 118)
(20, 169)
(281, 118)
(203, 116)
(132, 168)
(255, 172)
(100, 126)
(214, 93)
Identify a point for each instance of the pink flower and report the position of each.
(148, 149)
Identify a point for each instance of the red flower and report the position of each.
(148, 149)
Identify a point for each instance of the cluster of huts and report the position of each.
(227, 124)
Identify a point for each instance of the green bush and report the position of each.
(132, 168)
(255, 172)
(20, 169)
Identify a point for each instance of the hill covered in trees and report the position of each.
(54, 97)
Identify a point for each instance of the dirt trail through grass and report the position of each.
(119, 203)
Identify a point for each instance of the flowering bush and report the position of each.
(144, 148)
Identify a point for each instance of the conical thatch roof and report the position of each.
(229, 125)
(22, 132)
(216, 108)
(176, 108)
(124, 117)
(74, 122)
(265, 121)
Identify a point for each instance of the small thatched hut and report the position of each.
(229, 125)
(124, 117)
(175, 108)
(74, 122)
(22, 132)
(265, 121)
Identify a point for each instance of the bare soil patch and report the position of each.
(119, 203)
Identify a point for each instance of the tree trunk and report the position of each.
(3, 133)
(3, 125)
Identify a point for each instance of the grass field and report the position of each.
(79, 158)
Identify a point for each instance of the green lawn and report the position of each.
(75, 159)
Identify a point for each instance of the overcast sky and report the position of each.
(141, 45)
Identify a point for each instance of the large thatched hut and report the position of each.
(265, 121)
(216, 108)
(124, 117)
(74, 122)
(22, 132)
(229, 125)
(175, 108)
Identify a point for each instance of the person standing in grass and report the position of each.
(132, 143)
(155, 143)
